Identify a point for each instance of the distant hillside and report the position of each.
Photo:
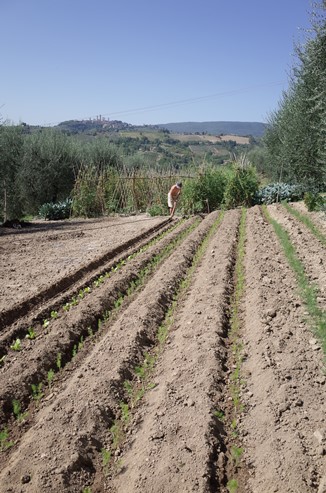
(256, 129)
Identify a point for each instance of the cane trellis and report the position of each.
(130, 191)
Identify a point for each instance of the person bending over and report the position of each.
(173, 197)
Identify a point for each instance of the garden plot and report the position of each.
(40, 261)
(310, 250)
(59, 336)
(283, 424)
(143, 395)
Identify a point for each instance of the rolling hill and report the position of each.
(256, 129)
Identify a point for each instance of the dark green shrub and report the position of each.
(241, 187)
(314, 201)
(156, 210)
(60, 210)
(205, 192)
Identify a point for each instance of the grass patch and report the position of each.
(308, 291)
(306, 221)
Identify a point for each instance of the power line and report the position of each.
(180, 102)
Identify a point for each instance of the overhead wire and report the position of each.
(144, 109)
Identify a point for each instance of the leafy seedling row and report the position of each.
(8, 317)
(177, 264)
(65, 355)
(36, 328)
(140, 382)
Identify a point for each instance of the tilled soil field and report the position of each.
(130, 362)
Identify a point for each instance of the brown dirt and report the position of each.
(174, 438)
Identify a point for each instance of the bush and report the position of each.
(241, 187)
(314, 201)
(276, 192)
(205, 192)
(156, 210)
(60, 210)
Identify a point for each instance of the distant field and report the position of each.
(214, 139)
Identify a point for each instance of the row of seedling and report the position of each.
(307, 222)
(31, 333)
(308, 291)
(234, 390)
(141, 382)
(37, 389)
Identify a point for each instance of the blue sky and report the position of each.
(147, 61)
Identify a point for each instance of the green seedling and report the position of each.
(37, 393)
(128, 387)
(87, 290)
(219, 414)
(46, 323)
(2, 360)
(54, 314)
(74, 302)
(81, 294)
(90, 332)
(106, 457)
(117, 435)
(16, 346)
(50, 376)
(74, 351)
(81, 343)
(66, 307)
(4, 442)
(31, 334)
(87, 490)
(59, 361)
(232, 486)
(236, 453)
(140, 372)
(17, 410)
(125, 412)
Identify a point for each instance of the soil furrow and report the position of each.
(318, 217)
(87, 405)
(20, 327)
(31, 365)
(13, 313)
(179, 442)
(310, 251)
(283, 426)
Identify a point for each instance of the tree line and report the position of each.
(295, 139)
(49, 166)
